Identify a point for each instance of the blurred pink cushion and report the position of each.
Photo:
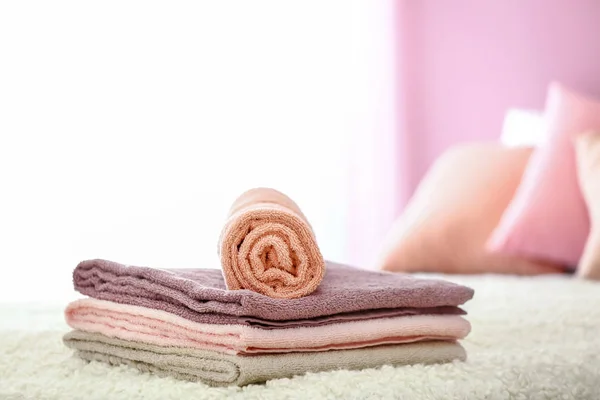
(455, 208)
(547, 218)
(587, 150)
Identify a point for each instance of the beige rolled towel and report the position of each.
(268, 246)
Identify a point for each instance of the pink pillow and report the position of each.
(587, 150)
(547, 218)
(455, 208)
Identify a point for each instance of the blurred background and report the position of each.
(127, 128)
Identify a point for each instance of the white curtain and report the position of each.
(127, 128)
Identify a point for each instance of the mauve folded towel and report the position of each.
(218, 369)
(157, 327)
(336, 318)
(268, 246)
(191, 293)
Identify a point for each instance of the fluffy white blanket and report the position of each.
(532, 338)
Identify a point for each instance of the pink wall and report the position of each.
(464, 62)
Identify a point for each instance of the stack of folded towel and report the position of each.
(276, 310)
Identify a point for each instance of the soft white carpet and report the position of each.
(533, 338)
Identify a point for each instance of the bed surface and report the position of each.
(532, 338)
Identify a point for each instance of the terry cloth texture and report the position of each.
(195, 294)
(268, 246)
(164, 329)
(218, 369)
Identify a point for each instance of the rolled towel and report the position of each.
(268, 246)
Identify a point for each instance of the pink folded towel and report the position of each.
(160, 328)
(201, 295)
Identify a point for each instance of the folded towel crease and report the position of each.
(160, 328)
(218, 369)
(201, 294)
